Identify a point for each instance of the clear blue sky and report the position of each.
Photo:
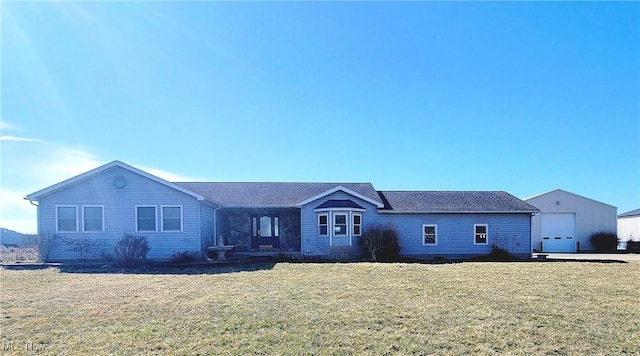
(522, 97)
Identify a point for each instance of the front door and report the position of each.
(266, 232)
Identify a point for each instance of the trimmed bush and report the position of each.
(604, 241)
(380, 243)
(131, 250)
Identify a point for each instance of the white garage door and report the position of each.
(558, 232)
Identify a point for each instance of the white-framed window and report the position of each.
(357, 224)
(66, 218)
(93, 218)
(171, 217)
(323, 224)
(340, 224)
(146, 218)
(429, 234)
(481, 234)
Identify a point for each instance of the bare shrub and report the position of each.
(44, 245)
(131, 250)
(604, 241)
(85, 248)
(16, 254)
(381, 243)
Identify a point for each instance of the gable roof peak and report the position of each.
(558, 190)
(88, 174)
(375, 202)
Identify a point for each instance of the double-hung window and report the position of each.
(357, 224)
(171, 218)
(480, 234)
(340, 220)
(340, 224)
(323, 224)
(66, 218)
(146, 218)
(429, 234)
(92, 218)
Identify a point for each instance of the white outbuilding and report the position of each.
(629, 226)
(566, 221)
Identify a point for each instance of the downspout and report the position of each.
(215, 228)
(531, 234)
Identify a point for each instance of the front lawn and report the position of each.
(335, 308)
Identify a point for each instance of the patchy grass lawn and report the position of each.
(362, 308)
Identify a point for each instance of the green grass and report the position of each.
(361, 308)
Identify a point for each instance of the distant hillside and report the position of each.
(11, 237)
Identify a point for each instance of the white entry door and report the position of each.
(558, 232)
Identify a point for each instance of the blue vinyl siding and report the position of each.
(119, 213)
(456, 233)
(206, 226)
(315, 245)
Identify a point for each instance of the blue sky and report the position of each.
(522, 97)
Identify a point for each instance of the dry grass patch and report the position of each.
(363, 308)
(18, 255)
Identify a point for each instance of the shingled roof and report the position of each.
(271, 194)
(453, 202)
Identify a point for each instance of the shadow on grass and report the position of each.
(152, 268)
(261, 265)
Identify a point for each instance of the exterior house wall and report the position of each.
(315, 245)
(455, 231)
(119, 214)
(118, 189)
(456, 235)
(590, 216)
(207, 229)
(629, 228)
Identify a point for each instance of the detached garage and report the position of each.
(629, 226)
(567, 220)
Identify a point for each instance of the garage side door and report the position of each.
(558, 232)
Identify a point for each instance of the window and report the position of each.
(429, 234)
(481, 234)
(93, 218)
(67, 218)
(343, 223)
(266, 226)
(357, 225)
(323, 224)
(145, 218)
(340, 224)
(172, 218)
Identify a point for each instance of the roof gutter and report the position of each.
(457, 212)
(32, 202)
